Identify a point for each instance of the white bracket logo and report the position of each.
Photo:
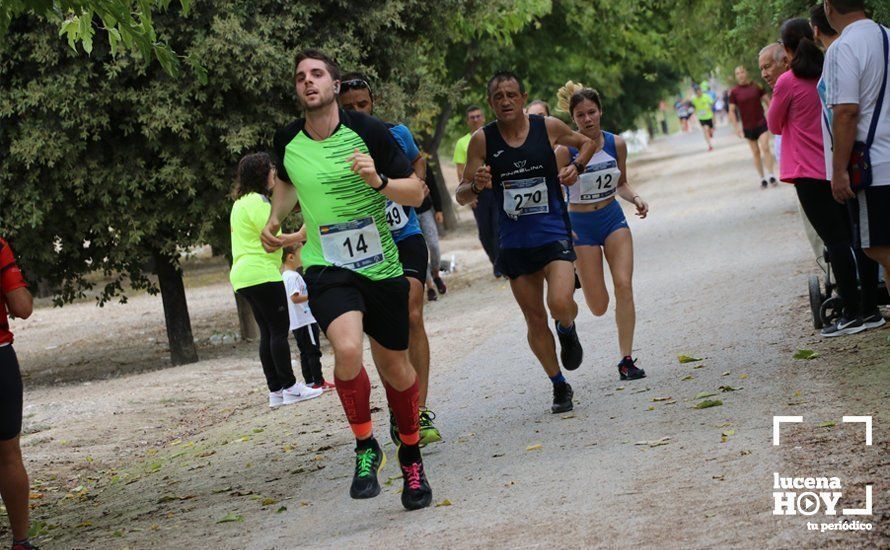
(867, 420)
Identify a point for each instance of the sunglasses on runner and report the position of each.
(354, 84)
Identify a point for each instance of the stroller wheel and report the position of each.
(816, 301)
(831, 310)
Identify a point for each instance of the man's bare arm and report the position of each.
(844, 122)
(560, 134)
(20, 302)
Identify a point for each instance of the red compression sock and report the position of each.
(404, 409)
(355, 395)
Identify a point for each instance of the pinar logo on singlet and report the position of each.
(521, 169)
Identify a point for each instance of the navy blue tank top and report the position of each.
(525, 182)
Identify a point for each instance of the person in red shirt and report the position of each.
(14, 488)
(749, 99)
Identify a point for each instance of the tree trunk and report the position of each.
(434, 141)
(246, 322)
(176, 311)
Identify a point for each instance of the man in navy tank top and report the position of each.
(513, 156)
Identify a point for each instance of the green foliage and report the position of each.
(721, 33)
(127, 23)
(106, 161)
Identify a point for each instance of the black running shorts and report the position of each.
(10, 394)
(754, 133)
(709, 122)
(871, 216)
(414, 257)
(516, 262)
(334, 291)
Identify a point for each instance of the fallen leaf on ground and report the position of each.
(743, 376)
(727, 373)
(445, 502)
(703, 394)
(568, 416)
(534, 447)
(651, 408)
(687, 359)
(687, 377)
(805, 354)
(827, 424)
(708, 403)
(269, 501)
(657, 399)
(728, 388)
(281, 509)
(230, 517)
(700, 366)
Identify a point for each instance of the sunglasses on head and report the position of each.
(354, 84)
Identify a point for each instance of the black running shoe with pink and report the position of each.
(416, 491)
(628, 369)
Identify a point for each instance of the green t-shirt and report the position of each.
(345, 219)
(703, 107)
(251, 264)
(460, 150)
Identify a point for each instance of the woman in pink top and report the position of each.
(795, 113)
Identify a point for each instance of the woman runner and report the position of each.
(598, 223)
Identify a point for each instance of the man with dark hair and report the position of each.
(513, 158)
(344, 166)
(856, 90)
(485, 211)
(356, 95)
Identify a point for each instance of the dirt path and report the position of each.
(162, 457)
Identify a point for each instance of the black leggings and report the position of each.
(310, 353)
(10, 394)
(831, 221)
(268, 301)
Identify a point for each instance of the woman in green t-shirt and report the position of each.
(256, 277)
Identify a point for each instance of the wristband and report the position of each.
(578, 166)
(474, 189)
(384, 182)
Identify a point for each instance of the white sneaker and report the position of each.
(299, 392)
(276, 399)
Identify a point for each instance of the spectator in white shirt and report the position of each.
(856, 66)
(302, 323)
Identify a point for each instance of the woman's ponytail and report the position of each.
(797, 36)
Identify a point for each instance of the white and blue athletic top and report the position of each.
(599, 181)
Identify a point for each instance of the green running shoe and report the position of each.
(368, 463)
(394, 430)
(428, 432)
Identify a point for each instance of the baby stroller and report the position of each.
(826, 305)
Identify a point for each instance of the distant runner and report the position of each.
(356, 95)
(598, 223)
(748, 97)
(513, 157)
(704, 112)
(344, 166)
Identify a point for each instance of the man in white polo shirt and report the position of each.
(855, 75)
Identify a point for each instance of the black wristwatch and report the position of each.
(384, 182)
(578, 166)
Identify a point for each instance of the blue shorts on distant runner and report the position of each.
(593, 228)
